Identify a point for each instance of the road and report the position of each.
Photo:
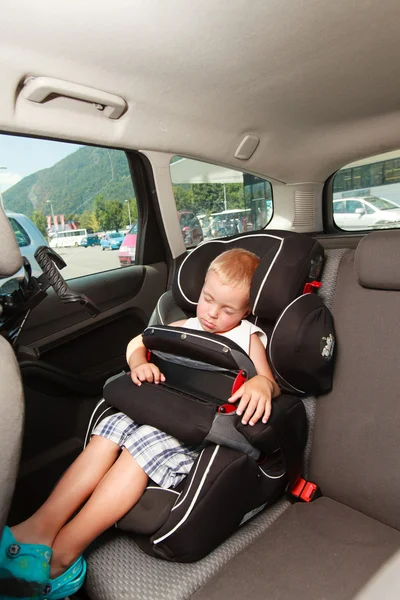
(85, 261)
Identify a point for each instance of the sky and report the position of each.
(23, 156)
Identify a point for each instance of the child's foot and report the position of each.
(29, 533)
(69, 582)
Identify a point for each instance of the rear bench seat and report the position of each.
(330, 548)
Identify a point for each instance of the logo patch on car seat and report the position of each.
(327, 346)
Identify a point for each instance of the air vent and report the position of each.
(304, 209)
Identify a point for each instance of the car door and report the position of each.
(65, 353)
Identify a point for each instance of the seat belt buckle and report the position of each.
(304, 490)
(311, 287)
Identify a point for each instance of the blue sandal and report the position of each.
(24, 568)
(68, 583)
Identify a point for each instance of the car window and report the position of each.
(218, 201)
(339, 207)
(353, 205)
(372, 184)
(20, 233)
(69, 192)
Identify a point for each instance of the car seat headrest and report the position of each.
(377, 260)
(10, 256)
(288, 261)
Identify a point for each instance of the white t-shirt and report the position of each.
(239, 334)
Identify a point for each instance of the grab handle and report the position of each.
(38, 89)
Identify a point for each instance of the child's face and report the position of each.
(221, 307)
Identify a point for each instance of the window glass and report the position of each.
(60, 194)
(20, 233)
(371, 189)
(214, 202)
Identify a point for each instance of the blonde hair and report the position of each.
(235, 267)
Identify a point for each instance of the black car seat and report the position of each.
(11, 395)
(197, 521)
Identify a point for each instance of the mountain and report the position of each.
(73, 183)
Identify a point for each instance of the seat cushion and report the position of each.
(119, 570)
(313, 551)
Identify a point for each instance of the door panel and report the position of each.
(77, 354)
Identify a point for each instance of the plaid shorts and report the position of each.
(165, 459)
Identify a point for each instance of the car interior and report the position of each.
(256, 119)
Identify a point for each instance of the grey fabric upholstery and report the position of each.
(355, 456)
(11, 426)
(318, 551)
(377, 261)
(10, 256)
(385, 584)
(119, 570)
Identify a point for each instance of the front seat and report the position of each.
(11, 394)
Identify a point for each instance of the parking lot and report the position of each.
(85, 261)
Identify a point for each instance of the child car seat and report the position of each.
(241, 469)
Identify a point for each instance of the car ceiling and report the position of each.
(316, 81)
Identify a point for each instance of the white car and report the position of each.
(28, 237)
(366, 212)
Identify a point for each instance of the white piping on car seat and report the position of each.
(272, 476)
(189, 510)
(159, 312)
(190, 484)
(91, 419)
(268, 272)
(270, 345)
(228, 242)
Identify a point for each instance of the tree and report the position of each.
(109, 213)
(88, 221)
(40, 221)
(184, 197)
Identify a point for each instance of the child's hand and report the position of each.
(255, 395)
(146, 372)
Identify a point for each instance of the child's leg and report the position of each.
(115, 495)
(70, 493)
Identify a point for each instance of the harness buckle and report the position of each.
(240, 379)
(304, 490)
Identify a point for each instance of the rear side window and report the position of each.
(366, 194)
(214, 202)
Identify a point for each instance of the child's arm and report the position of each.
(136, 357)
(256, 394)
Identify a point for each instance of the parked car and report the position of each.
(192, 233)
(127, 250)
(112, 241)
(28, 237)
(365, 212)
(90, 240)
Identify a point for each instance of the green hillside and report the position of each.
(73, 183)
